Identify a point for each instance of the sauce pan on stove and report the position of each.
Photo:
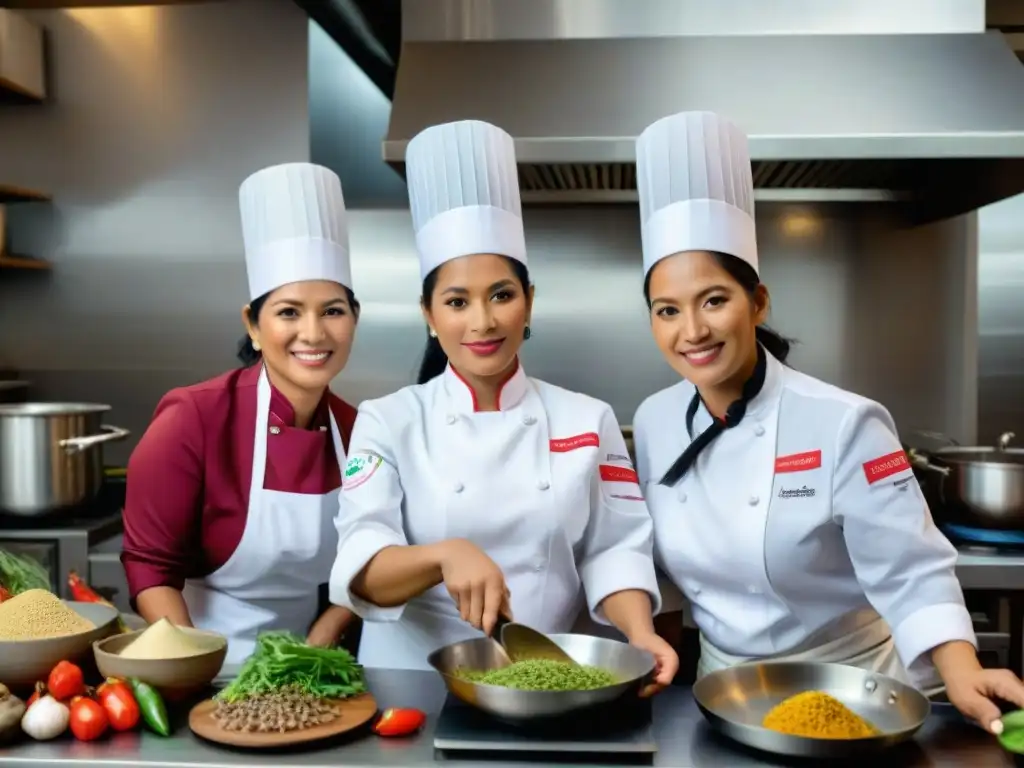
(976, 486)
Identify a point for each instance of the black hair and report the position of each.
(434, 358)
(746, 276)
(247, 353)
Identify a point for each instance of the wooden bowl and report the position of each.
(175, 679)
(24, 662)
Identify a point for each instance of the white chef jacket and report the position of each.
(798, 524)
(544, 486)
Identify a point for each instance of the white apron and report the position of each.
(870, 647)
(287, 550)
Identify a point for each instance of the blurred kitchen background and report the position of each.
(154, 114)
(889, 161)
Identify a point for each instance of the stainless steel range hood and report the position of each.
(935, 119)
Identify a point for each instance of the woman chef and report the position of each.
(479, 490)
(232, 491)
(784, 508)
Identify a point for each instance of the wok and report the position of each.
(979, 487)
(631, 666)
(735, 701)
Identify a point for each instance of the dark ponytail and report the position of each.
(247, 353)
(776, 345)
(746, 276)
(434, 358)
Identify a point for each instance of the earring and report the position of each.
(433, 333)
(255, 345)
(527, 333)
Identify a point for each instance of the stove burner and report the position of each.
(984, 539)
(617, 733)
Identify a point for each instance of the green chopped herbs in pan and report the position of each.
(542, 675)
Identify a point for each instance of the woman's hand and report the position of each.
(666, 661)
(475, 583)
(974, 690)
(329, 628)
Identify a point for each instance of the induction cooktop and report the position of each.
(619, 733)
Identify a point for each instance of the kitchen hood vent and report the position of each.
(936, 120)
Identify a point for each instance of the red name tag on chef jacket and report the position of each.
(798, 462)
(885, 466)
(612, 474)
(586, 440)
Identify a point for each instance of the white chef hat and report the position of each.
(294, 227)
(696, 188)
(464, 193)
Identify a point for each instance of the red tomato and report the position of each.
(88, 719)
(119, 704)
(65, 681)
(399, 722)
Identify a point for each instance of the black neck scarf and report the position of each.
(733, 415)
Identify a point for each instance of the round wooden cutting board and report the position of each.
(354, 713)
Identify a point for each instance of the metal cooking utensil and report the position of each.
(735, 701)
(523, 643)
(631, 666)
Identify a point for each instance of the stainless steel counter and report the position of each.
(684, 741)
(990, 570)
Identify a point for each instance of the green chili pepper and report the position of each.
(154, 712)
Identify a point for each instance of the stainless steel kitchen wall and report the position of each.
(1001, 320)
(157, 113)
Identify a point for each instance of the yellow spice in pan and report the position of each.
(817, 715)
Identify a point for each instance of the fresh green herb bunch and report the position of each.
(542, 675)
(20, 574)
(283, 659)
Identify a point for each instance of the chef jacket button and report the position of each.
(682, 496)
(275, 430)
(529, 421)
(758, 430)
(543, 485)
(753, 501)
(458, 487)
(450, 419)
(753, 590)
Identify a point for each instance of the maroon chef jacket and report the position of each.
(188, 478)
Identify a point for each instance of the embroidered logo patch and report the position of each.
(564, 444)
(797, 493)
(613, 474)
(885, 466)
(627, 498)
(618, 457)
(360, 468)
(798, 462)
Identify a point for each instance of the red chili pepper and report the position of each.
(82, 592)
(65, 681)
(4, 594)
(40, 691)
(399, 722)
